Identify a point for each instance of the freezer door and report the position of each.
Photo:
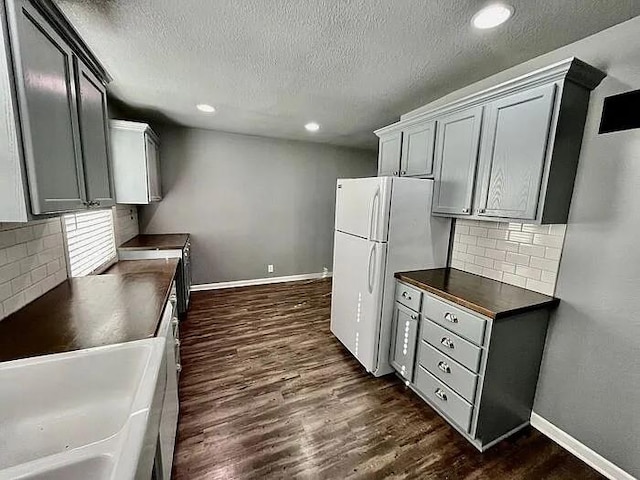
(356, 301)
(362, 207)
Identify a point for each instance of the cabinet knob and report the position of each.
(406, 295)
(414, 316)
(404, 172)
(441, 395)
(465, 210)
(481, 210)
(395, 174)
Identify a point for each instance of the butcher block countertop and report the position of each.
(91, 311)
(165, 241)
(488, 297)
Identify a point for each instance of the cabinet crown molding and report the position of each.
(571, 69)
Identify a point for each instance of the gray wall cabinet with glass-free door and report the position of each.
(54, 127)
(480, 374)
(510, 153)
(407, 152)
(136, 162)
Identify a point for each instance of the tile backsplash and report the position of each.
(32, 262)
(126, 223)
(520, 254)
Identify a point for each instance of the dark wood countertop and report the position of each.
(91, 311)
(483, 295)
(165, 241)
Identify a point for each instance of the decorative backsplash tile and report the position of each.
(126, 223)
(32, 262)
(524, 255)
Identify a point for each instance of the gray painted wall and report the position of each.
(589, 384)
(249, 201)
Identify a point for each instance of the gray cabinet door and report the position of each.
(456, 158)
(48, 115)
(403, 345)
(514, 151)
(389, 154)
(417, 150)
(94, 136)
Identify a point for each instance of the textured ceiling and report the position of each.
(270, 66)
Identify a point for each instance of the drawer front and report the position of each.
(452, 318)
(449, 371)
(403, 345)
(446, 400)
(453, 346)
(408, 296)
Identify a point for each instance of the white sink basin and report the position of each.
(79, 415)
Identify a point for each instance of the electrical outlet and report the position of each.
(325, 272)
(270, 268)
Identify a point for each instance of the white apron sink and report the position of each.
(84, 414)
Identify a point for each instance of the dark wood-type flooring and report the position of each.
(267, 392)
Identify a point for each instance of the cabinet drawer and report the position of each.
(452, 318)
(448, 370)
(454, 407)
(408, 296)
(452, 345)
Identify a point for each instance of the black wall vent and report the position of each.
(621, 112)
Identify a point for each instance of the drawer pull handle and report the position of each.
(447, 342)
(441, 395)
(444, 367)
(414, 316)
(177, 342)
(406, 295)
(174, 321)
(178, 367)
(450, 317)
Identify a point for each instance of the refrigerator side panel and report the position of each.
(356, 297)
(417, 240)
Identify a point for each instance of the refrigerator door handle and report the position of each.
(370, 277)
(373, 217)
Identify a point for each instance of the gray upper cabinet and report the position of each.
(94, 134)
(53, 127)
(456, 161)
(46, 92)
(389, 150)
(507, 153)
(514, 153)
(417, 150)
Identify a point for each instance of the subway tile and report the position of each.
(61, 275)
(514, 226)
(3, 256)
(507, 246)
(9, 272)
(491, 273)
(24, 234)
(5, 291)
(459, 264)
(29, 263)
(541, 287)
(532, 250)
(55, 227)
(557, 230)
(544, 264)
(495, 254)
(472, 268)
(552, 253)
(498, 234)
(535, 228)
(504, 266)
(468, 239)
(459, 247)
(491, 225)
(517, 258)
(31, 293)
(51, 241)
(473, 250)
(35, 246)
(487, 242)
(521, 237)
(528, 272)
(15, 253)
(483, 261)
(13, 303)
(478, 231)
(462, 229)
(7, 238)
(53, 266)
(548, 240)
(40, 230)
(514, 280)
(38, 274)
(49, 283)
(548, 277)
(465, 257)
(20, 283)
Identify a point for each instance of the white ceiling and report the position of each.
(270, 66)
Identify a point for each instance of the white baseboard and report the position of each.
(259, 281)
(584, 453)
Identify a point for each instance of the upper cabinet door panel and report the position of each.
(153, 169)
(94, 134)
(47, 112)
(389, 154)
(514, 153)
(417, 150)
(456, 157)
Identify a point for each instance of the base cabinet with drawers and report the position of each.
(478, 372)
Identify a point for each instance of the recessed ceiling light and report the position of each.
(312, 127)
(492, 15)
(203, 107)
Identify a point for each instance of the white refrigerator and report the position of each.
(383, 225)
